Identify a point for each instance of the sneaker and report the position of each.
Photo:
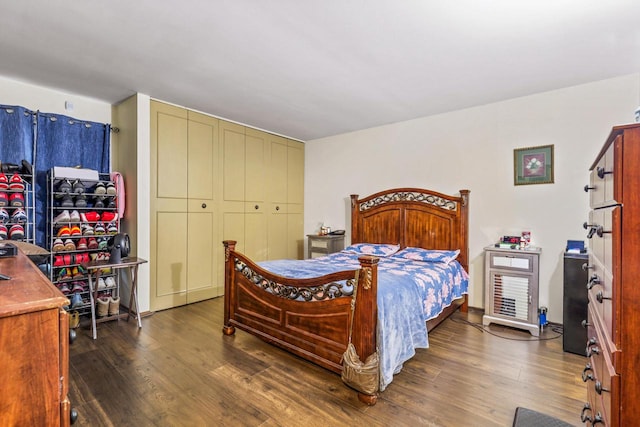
(90, 216)
(87, 230)
(76, 300)
(111, 188)
(64, 231)
(74, 216)
(75, 230)
(102, 306)
(101, 284)
(69, 245)
(64, 186)
(58, 261)
(111, 203)
(81, 201)
(77, 287)
(67, 202)
(19, 215)
(103, 243)
(64, 289)
(112, 228)
(78, 187)
(62, 217)
(16, 232)
(110, 282)
(74, 320)
(99, 188)
(98, 202)
(109, 216)
(82, 244)
(4, 199)
(64, 274)
(4, 182)
(114, 306)
(82, 258)
(58, 245)
(92, 243)
(3, 232)
(99, 228)
(16, 200)
(16, 183)
(4, 215)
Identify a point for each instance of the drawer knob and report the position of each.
(600, 231)
(73, 415)
(587, 188)
(600, 297)
(592, 350)
(586, 374)
(597, 420)
(583, 416)
(584, 323)
(601, 172)
(593, 280)
(204, 206)
(586, 266)
(599, 388)
(256, 207)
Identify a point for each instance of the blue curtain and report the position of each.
(16, 134)
(65, 141)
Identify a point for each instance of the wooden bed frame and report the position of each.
(317, 329)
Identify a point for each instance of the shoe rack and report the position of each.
(82, 216)
(17, 204)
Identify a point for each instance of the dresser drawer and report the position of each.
(524, 263)
(602, 178)
(603, 224)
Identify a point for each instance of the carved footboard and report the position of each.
(307, 317)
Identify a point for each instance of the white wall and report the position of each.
(13, 92)
(473, 149)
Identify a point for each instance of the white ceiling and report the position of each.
(309, 69)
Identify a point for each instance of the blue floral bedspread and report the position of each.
(409, 294)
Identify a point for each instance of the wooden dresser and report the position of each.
(34, 347)
(613, 325)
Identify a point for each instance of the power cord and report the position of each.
(557, 329)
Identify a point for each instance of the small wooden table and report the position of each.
(94, 269)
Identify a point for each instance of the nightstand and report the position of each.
(324, 244)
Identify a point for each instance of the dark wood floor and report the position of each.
(179, 370)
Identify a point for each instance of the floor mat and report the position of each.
(528, 418)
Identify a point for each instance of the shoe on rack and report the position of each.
(112, 228)
(103, 242)
(114, 306)
(109, 216)
(69, 245)
(92, 243)
(58, 261)
(76, 300)
(4, 199)
(4, 215)
(27, 169)
(98, 202)
(99, 228)
(101, 284)
(65, 186)
(81, 201)
(111, 188)
(78, 187)
(62, 217)
(64, 231)
(74, 216)
(16, 232)
(74, 320)
(111, 203)
(82, 245)
(77, 287)
(75, 230)
(19, 216)
(64, 289)
(4, 182)
(90, 216)
(16, 183)
(64, 274)
(67, 202)
(58, 245)
(110, 282)
(87, 230)
(3, 232)
(102, 306)
(16, 200)
(99, 188)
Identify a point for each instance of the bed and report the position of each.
(316, 314)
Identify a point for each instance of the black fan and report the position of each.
(119, 246)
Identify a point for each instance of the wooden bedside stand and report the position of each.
(324, 244)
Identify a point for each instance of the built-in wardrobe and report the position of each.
(213, 180)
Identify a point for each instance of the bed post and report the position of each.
(229, 245)
(365, 317)
(354, 217)
(464, 237)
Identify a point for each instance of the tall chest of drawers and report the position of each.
(612, 372)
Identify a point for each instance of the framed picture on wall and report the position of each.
(533, 165)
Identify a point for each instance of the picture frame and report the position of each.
(533, 165)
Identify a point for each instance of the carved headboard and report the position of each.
(413, 217)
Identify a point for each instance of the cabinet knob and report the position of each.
(73, 415)
(601, 172)
(204, 205)
(587, 188)
(256, 207)
(584, 323)
(600, 297)
(599, 388)
(586, 373)
(586, 266)
(277, 208)
(583, 416)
